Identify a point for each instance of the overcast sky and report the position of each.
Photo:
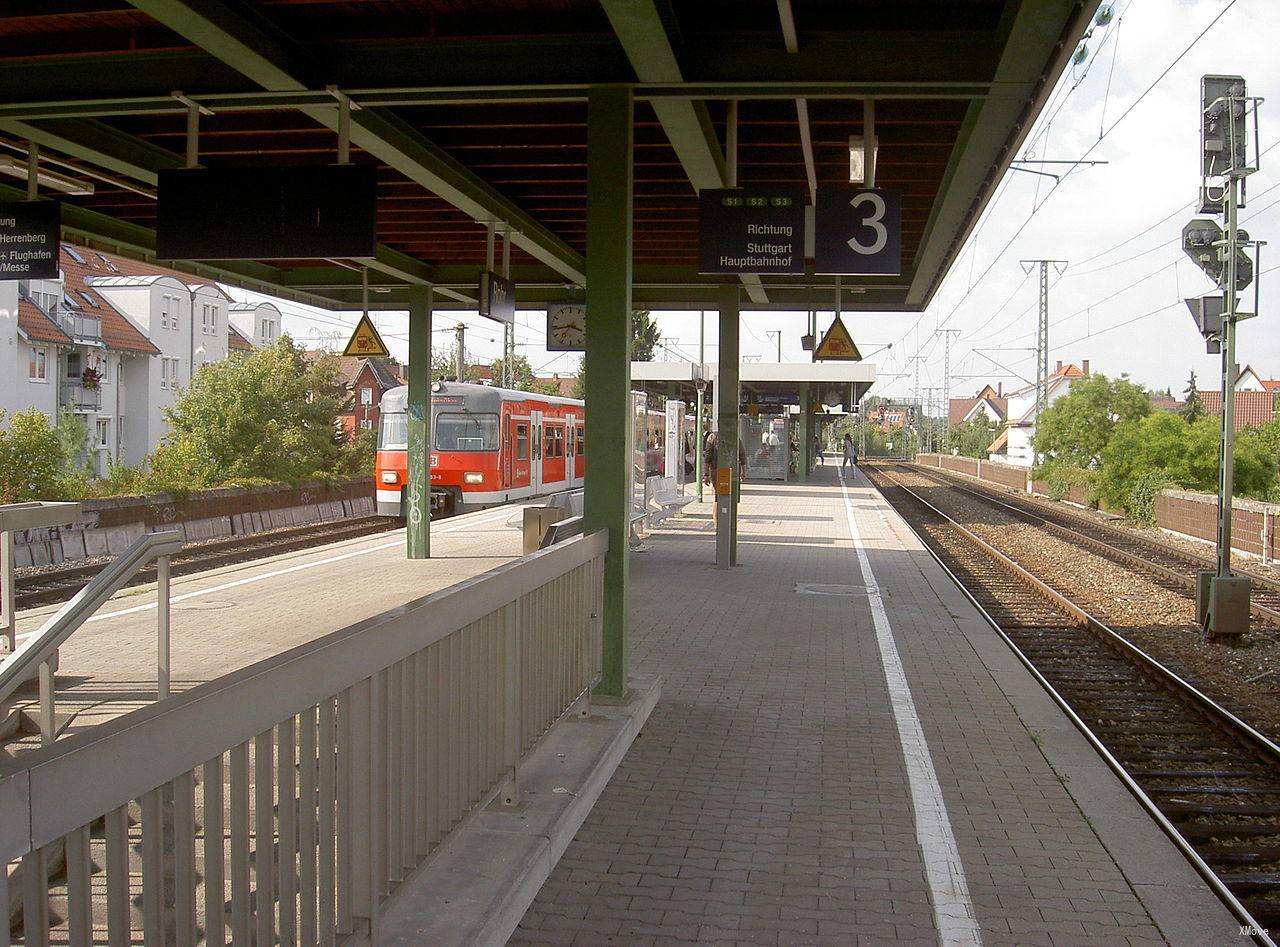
(1118, 302)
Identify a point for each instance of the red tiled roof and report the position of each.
(1271, 384)
(959, 408)
(236, 341)
(118, 332)
(1252, 407)
(37, 326)
(564, 384)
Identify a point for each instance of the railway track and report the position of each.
(1163, 560)
(58, 585)
(1208, 778)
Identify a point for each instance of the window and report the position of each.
(89, 299)
(74, 371)
(553, 441)
(366, 396)
(73, 253)
(164, 312)
(38, 365)
(268, 330)
(466, 432)
(168, 372)
(395, 431)
(580, 440)
(102, 433)
(522, 442)
(366, 425)
(69, 302)
(204, 320)
(99, 364)
(120, 430)
(164, 373)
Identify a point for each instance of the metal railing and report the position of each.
(291, 798)
(80, 327)
(19, 517)
(79, 398)
(39, 653)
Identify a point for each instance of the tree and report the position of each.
(644, 340)
(31, 459)
(1076, 428)
(1193, 407)
(444, 367)
(522, 376)
(971, 438)
(267, 416)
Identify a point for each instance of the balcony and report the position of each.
(76, 397)
(81, 328)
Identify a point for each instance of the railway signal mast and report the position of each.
(1222, 599)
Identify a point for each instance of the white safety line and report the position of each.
(275, 573)
(953, 911)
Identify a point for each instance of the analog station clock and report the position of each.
(566, 327)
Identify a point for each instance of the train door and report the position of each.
(553, 452)
(535, 453)
(521, 443)
(579, 449)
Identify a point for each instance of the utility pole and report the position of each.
(947, 335)
(778, 334)
(915, 398)
(460, 336)
(1042, 336)
(1222, 599)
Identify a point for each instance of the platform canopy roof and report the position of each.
(475, 111)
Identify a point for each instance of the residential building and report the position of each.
(1253, 407)
(989, 402)
(887, 418)
(112, 339)
(366, 380)
(1250, 380)
(260, 323)
(565, 384)
(1013, 445)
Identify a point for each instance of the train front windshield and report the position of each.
(394, 434)
(466, 432)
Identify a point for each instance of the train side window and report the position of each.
(522, 442)
(580, 438)
(553, 444)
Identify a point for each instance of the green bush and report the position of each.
(1059, 481)
(1141, 504)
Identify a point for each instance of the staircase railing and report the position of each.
(39, 653)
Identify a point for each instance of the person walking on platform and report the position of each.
(850, 454)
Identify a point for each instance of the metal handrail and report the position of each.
(41, 649)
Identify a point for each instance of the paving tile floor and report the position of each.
(767, 800)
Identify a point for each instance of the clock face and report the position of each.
(567, 328)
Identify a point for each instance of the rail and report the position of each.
(40, 651)
(326, 775)
(18, 517)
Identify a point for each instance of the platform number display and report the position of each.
(858, 231)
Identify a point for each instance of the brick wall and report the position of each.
(1007, 475)
(1196, 514)
(108, 526)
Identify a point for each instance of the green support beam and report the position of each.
(417, 492)
(256, 50)
(685, 121)
(610, 133)
(805, 437)
(727, 423)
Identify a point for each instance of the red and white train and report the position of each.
(489, 446)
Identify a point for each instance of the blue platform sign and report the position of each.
(858, 232)
(746, 231)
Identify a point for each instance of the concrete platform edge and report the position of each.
(1176, 898)
(478, 887)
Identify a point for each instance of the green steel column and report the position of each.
(727, 422)
(417, 492)
(806, 435)
(608, 357)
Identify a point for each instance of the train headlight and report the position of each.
(390, 476)
(472, 477)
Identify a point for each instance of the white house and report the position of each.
(114, 340)
(259, 323)
(1013, 445)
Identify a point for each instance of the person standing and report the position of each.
(850, 454)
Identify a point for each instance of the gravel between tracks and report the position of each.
(1245, 679)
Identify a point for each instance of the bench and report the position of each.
(664, 498)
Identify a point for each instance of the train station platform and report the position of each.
(226, 619)
(845, 752)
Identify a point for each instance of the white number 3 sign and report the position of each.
(874, 222)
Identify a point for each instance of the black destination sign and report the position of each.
(29, 233)
(858, 231)
(276, 213)
(743, 231)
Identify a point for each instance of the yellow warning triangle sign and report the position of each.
(365, 341)
(837, 345)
